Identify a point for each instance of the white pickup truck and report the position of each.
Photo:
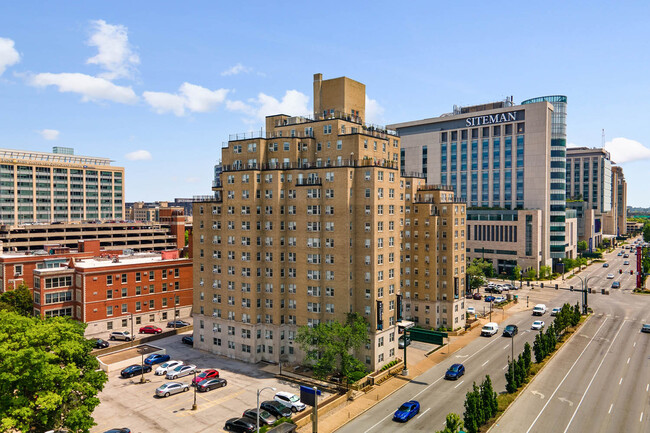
(539, 310)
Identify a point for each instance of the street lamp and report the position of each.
(132, 334)
(196, 385)
(585, 288)
(257, 414)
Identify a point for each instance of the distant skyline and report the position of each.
(159, 86)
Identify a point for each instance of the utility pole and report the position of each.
(314, 414)
(196, 385)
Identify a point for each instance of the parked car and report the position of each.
(240, 425)
(605, 265)
(539, 310)
(210, 384)
(616, 285)
(476, 296)
(499, 299)
(471, 310)
(489, 329)
(489, 298)
(135, 370)
(156, 358)
(118, 430)
(290, 400)
(537, 325)
(205, 374)
(510, 331)
(150, 329)
(180, 371)
(121, 335)
(101, 344)
(177, 324)
(610, 276)
(167, 366)
(265, 417)
(276, 408)
(170, 388)
(555, 311)
(407, 411)
(188, 339)
(455, 371)
(645, 327)
(400, 342)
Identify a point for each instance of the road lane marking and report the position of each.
(426, 412)
(634, 345)
(620, 381)
(610, 408)
(594, 376)
(483, 365)
(504, 367)
(564, 400)
(506, 346)
(646, 387)
(459, 384)
(565, 376)
(628, 360)
(537, 393)
(641, 417)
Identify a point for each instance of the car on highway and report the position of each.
(170, 388)
(616, 285)
(150, 329)
(510, 331)
(471, 310)
(476, 296)
(455, 371)
(605, 265)
(489, 329)
(275, 408)
(156, 358)
(167, 366)
(645, 327)
(290, 400)
(180, 371)
(619, 254)
(555, 311)
(610, 276)
(240, 425)
(118, 430)
(209, 384)
(188, 339)
(135, 370)
(265, 417)
(400, 342)
(100, 344)
(537, 325)
(407, 411)
(539, 310)
(627, 262)
(626, 256)
(489, 298)
(205, 374)
(177, 324)
(121, 335)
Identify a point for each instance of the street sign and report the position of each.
(308, 395)
(425, 336)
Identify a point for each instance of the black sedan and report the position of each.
(243, 425)
(177, 324)
(101, 344)
(265, 417)
(510, 331)
(276, 408)
(134, 370)
(188, 339)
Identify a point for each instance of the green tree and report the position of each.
(530, 274)
(471, 416)
(453, 424)
(489, 398)
(582, 246)
(511, 385)
(516, 273)
(476, 277)
(646, 232)
(520, 370)
(19, 300)
(544, 272)
(49, 379)
(539, 349)
(527, 357)
(329, 345)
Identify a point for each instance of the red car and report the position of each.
(150, 330)
(476, 295)
(205, 374)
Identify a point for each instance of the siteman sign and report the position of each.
(491, 119)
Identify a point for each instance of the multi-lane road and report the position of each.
(583, 378)
(600, 382)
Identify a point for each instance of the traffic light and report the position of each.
(631, 272)
(620, 271)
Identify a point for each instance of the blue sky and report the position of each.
(159, 86)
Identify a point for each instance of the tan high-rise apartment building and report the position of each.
(58, 187)
(309, 222)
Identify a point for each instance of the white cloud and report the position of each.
(190, 96)
(570, 145)
(374, 111)
(293, 103)
(625, 150)
(8, 54)
(91, 88)
(237, 69)
(114, 51)
(138, 155)
(192, 179)
(49, 134)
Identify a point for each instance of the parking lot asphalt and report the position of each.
(127, 403)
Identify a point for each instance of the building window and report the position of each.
(109, 280)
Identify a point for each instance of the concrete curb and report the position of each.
(496, 421)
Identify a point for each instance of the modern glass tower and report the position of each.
(558, 173)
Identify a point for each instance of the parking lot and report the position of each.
(127, 403)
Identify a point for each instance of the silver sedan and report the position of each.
(180, 371)
(170, 388)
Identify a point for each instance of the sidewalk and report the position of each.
(351, 409)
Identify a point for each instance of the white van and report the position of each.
(489, 329)
(539, 310)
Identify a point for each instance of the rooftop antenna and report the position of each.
(602, 143)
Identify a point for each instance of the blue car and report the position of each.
(407, 411)
(156, 358)
(455, 371)
(489, 299)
